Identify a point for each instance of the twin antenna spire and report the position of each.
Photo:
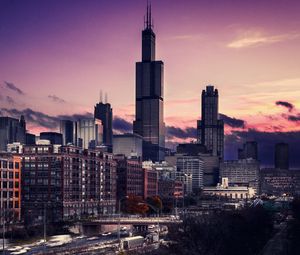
(148, 21)
(101, 97)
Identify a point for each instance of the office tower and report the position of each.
(190, 170)
(149, 119)
(53, 137)
(11, 130)
(68, 130)
(89, 132)
(103, 112)
(242, 172)
(249, 151)
(128, 145)
(10, 186)
(210, 129)
(282, 156)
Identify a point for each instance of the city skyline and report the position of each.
(257, 79)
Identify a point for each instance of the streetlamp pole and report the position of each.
(119, 221)
(3, 230)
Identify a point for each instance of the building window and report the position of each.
(11, 165)
(17, 165)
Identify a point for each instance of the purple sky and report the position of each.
(61, 53)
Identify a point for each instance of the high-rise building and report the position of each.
(282, 156)
(149, 119)
(249, 151)
(210, 129)
(68, 129)
(190, 170)
(11, 130)
(90, 132)
(103, 112)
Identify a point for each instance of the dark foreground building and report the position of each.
(149, 116)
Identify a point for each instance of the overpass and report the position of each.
(132, 221)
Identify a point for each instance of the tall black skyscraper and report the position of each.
(103, 112)
(210, 129)
(149, 113)
(282, 156)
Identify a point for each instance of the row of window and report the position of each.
(10, 175)
(10, 194)
(4, 164)
(9, 185)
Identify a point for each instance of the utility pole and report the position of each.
(3, 230)
(45, 226)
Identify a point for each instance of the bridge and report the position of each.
(132, 221)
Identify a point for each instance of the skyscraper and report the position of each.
(68, 130)
(210, 129)
(103, 112)
(282, 156)
(11, 130)
(149, 119)
(249, 151)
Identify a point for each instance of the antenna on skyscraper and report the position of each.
(105, 98)
(101, 97)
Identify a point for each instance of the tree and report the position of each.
(135, 205)
(156, 202)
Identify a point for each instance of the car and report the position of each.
(106, 234)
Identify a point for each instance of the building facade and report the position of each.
(66, 182)
(190, 170)
(280, 181)
(10, 189)
(149, 119)
(243, 172)
(210, 129)
(128, 145)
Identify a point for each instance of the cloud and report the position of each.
(285, 104)
(56, 99)
(294, 118)
(232, 122)
(34, 117)
(122, 125)
(14, 88)
(176, 132)
(10, 100)
(255, 38)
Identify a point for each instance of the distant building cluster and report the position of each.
(85, 169)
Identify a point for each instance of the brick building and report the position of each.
(10, 189)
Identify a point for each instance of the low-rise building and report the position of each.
(279, 181)
(230, 192)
